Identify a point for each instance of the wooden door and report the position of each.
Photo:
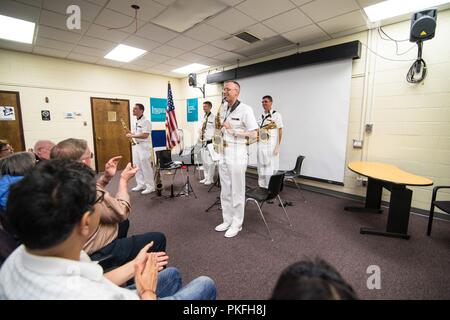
(109, 136)
(11, 127)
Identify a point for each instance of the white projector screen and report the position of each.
(314, 103)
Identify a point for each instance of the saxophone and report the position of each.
(126, 130)
(263, 134)
(218, 141)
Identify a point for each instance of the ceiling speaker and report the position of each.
(423, 25)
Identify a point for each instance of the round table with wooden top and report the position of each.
(395, 180)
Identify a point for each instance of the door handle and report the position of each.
(99, 139)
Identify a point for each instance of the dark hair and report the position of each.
(3, 143)
(44, 207)
(308, 280)
(208, 103)
(268, 97)
(140, 106)
(70, 149)
(17, 164)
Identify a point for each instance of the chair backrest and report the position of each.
(298, 165)
(164, 158)
(275, 185)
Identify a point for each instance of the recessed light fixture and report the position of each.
(393, 8)
(124, 53)
(190, 68)
(16, 29)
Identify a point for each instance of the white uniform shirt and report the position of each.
(272, 116)
(210, 126)
(143, 126)
(24, 276)
(241, 119)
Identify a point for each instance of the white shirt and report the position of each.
(25, 276)
(272, 116)
(241, 119)
(143, 126)
(210, 126)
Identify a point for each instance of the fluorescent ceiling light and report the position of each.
(190, 68)
(16, 29)
(124, 53)
(392, 8)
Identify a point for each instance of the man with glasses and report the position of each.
(269, 149)
(110, 238)
(238, 125)
(5, 149)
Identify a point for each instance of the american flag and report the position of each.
(171, 122)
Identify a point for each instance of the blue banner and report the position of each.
(192, 109)
(158, 108)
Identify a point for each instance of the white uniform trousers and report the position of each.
(232, 168)
(268, 164)
(142, 158)
(209, 167)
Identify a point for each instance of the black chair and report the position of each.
(261, 195)
(443, 205)
(295, 173)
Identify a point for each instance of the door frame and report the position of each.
(19, 108)
(93, 126)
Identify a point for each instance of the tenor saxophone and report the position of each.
(218, 141)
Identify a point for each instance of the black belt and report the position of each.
(208, 141)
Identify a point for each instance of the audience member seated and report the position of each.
(307, 280)
(109, 238)
(53, 210)
(5, 149)
(12, 169)
(42, 149)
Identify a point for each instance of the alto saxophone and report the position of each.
(125, 128)
(218, 141)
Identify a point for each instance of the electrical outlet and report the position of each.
(362, 181)
(357, 144)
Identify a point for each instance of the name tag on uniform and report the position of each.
(235, 119)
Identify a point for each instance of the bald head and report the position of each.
(42, 149)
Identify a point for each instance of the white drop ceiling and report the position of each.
(280, 24)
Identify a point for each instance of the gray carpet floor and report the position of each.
(248, 266)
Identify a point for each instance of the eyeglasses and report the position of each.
(101, 196)
(91, 156)
(228, 89)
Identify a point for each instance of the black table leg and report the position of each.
(373, 198)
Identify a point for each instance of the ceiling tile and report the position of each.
(230, 44)
(163, 67)
(19, 10)
(263, 46)
(165, 2)
(344, 22)
(264, 9)
(232, 3)
(12, 45)
(320, 10)
(231, 21)
(53, 44)
(261, 31)
(56, 20)
(153, 32)
(90, 51)
(208, 51)
(366, 3)
(118, 21)
(229, 57)
(301, 2)
(288, 21)
(174, 75)
(154, 57)
(192, 57)
(97, 43)
(134, 67)
(211, 62)
(177, 62)
(101, 32)
(50, 52)
(56, 34)
(109, 63)
(88, 10)
(205, 33)
(154, 71)
(34, 3)
(148, 9)
(306, 34)
(169, 51)
(143, 62)
(141, 43)
(348, 32)
(185, 43)
(82, 57)
(98, 2)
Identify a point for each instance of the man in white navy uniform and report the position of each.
(142, 151)
(269, 149)
(206, 135)
(238, 123)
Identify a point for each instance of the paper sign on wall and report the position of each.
(7, 113)
(192, 109)
(158, 109)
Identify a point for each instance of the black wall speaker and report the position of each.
(423, 25)
(192, 79)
